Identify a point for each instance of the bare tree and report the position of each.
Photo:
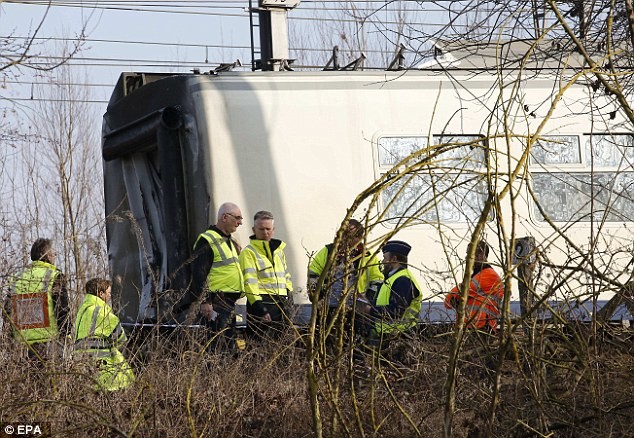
(54, 185)
(23, 52)
(578, 45)
(356, 28)
(38, 144)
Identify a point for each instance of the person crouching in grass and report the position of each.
(99, 336)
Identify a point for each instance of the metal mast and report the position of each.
(272, 15)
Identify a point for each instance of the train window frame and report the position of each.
(447, 171)
(557, 139)
(550, 181)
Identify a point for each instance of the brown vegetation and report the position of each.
(560, 387)
(563, 379)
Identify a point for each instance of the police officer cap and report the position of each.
(397, 247)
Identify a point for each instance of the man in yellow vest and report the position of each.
(267, 281)
(38, 303)
(100, 337)
(217, 274)
(397, 304)
(355, 271)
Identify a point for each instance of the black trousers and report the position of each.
(221, 329)
(268, 330)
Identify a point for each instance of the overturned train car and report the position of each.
(432, 147)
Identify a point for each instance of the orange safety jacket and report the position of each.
(484, 299)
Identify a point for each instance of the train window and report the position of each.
(559, 149)
(615, 150)
(466, 151)
(451, 189)
(599, 188)
(391, 150)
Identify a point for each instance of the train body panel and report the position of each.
(305, 145)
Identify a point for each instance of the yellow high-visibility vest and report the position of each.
(99, 335)
(225, 274)
(32, 310)
(265, 271)
(410, 317)
(368, 268)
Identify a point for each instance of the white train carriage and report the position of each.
(304, 145)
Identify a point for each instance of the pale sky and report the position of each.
(195, 34)
(185, 40)
(96, 69)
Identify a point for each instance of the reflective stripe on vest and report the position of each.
(87, 342)
(114, 337)
(482, 308)
(92, 344)
(478, 303)
(97, 326)
(265, 272)
(225, 274)
(93, 321)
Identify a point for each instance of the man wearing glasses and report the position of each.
(216, 271)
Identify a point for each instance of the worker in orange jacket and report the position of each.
(486, 292)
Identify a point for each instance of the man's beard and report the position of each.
(386, 270)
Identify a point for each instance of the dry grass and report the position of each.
(262, 392)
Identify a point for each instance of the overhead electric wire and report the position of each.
(196, 45)
(390, 4)
(144, 7)
(374, 22)
(57, 83)
(190, 65)
(129, 9)
(38, 99)
(292, 17)
(45, 60)
(153, 43)
(201, 46)
(87, 4)
(385, 7)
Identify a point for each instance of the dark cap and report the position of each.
(397, 247)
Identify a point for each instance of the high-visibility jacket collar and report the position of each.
(273, 244)
(267, 249)
(93, 300)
